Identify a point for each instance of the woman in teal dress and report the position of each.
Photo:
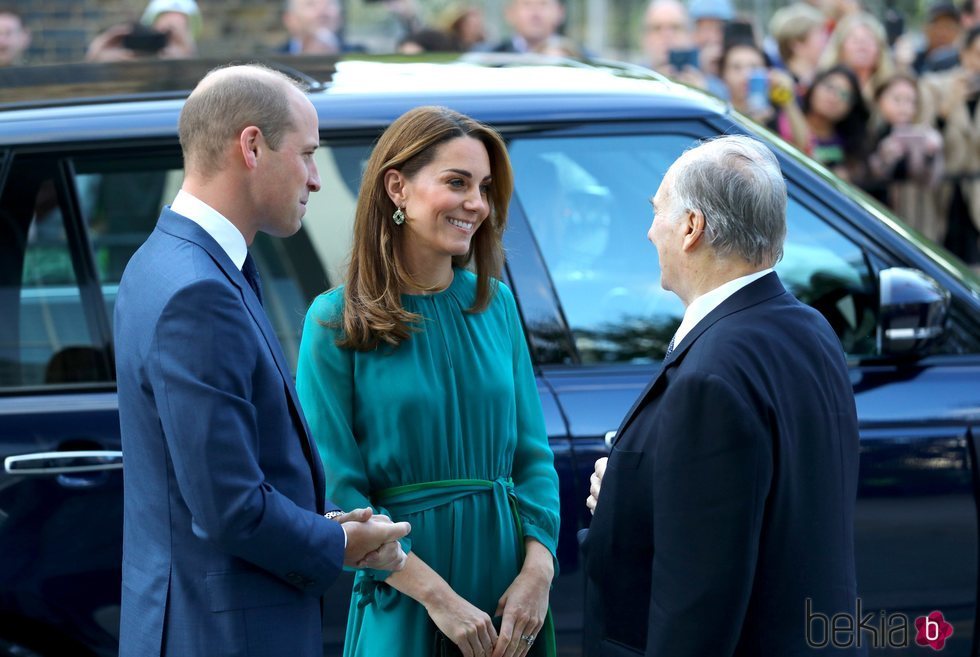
(418, 387)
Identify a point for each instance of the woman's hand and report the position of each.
(524, 604)
(465, 625)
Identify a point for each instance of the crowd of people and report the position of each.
(895, 118)
(893, 113)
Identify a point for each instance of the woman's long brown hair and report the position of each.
(373, 312)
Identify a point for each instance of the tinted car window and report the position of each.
(587, 201)
(48, 336)
(120, 198)
(826, 270)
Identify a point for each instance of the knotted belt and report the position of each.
(414, 498)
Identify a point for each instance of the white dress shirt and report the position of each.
(228, 237)
(704, 304)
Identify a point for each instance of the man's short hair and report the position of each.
(736, 182)
(219, 109)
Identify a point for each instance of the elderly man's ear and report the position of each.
(693, 222)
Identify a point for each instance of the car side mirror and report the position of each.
(913, 309)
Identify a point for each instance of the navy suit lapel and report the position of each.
(182, 227)
(756, 292)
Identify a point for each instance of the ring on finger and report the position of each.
(528, 639)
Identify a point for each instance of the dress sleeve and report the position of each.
(325, 385)
(534, 475)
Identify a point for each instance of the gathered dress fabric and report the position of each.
(444, 431)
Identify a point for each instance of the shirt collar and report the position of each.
(228, 237)
(704, 304)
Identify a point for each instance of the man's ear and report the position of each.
(251, 142)
(693, 222)
(395, 183)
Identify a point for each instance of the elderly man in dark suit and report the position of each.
(228, 542)
(727, 504)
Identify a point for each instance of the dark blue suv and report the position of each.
(81, 185)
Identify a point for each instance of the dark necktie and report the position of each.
(251, 274)
(670, 347)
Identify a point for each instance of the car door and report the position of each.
(585, 194)
(61, 487)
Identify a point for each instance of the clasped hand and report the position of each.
(372, 540)
(595, 482)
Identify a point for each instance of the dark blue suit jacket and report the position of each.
(728, 498)
(225, 550)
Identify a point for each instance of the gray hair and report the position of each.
(735, 181)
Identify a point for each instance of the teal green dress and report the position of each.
(444, 431)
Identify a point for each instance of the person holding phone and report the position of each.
(905, 161)
(763, 94)
(168, 29)
(669, 48)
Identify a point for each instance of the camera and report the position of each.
(144, 39)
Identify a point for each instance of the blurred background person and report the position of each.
(858, 42)
(905, 161)
(773, 103)
(969, 13)
(800, 35)
(15, 38)
(951, 99)
(666, 27)
(532, 23)
(941, 32)
(669, 49)
(315, 27)
(403, 18)
(710, 18)
(168, 29)
(837, 118)
(468, 27)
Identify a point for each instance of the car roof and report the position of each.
(369, 94)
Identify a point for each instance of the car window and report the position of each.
(48, 336)
(826, 270)
(587, 202)
(315, 259)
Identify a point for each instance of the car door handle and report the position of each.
(610, 436)
(59, 463)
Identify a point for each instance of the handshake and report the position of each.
(372, 540)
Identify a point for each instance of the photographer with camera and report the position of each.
(952, 100)
(167, 30)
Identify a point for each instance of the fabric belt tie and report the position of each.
(409, 499)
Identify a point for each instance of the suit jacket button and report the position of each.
(295, 579)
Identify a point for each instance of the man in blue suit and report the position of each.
(727, 503)
(226, 547)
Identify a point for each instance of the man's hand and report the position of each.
(596, 483)
(372, 540)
